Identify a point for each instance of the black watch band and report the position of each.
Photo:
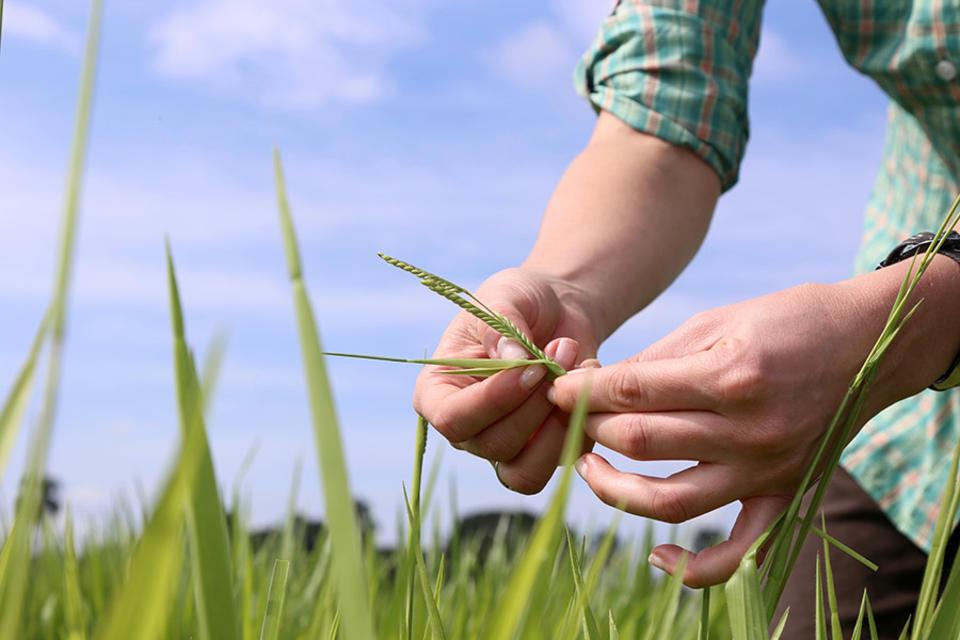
(919, 243)
(951, 248)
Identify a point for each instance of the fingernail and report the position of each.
(657, 560)
(552, 395)
(581, 467)
(532, 376)
(566, 353)
(511, 350)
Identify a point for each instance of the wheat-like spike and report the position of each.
(464, 299)
(420, 273)
(498, 322)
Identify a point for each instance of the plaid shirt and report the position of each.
(679, 69)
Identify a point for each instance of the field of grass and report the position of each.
(188, 567)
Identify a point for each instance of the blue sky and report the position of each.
(432, 130)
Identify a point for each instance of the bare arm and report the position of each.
(626, 218)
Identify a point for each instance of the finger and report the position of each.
(504, 439)
(717, 563)
(677, 498)
(675, 435)
(459, 407)
(530, 471)
(660, 385)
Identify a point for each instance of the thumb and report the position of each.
(717, 563)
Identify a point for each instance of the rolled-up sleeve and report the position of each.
(678, 70)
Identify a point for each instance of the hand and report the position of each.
(746, 391)
(507, 417)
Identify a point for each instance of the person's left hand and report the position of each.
(746, 391)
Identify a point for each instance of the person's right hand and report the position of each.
(507, 418)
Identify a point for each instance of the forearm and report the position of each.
(626, 218)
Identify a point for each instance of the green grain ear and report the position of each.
(461, 297)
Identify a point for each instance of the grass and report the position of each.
(182, 567)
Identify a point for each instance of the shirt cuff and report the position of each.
(678, 76)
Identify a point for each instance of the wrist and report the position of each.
(578, 299)
(928, 342)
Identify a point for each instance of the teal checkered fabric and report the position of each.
(680, 69)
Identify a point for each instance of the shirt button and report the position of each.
(946, 70)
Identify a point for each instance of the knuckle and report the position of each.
(493, 446)
(668, 506)
(446, 424)
(625, 389)
(767, 440)
(743, 374)
(636, 436)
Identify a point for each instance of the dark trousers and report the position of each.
(855, 519)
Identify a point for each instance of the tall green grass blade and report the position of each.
(664, 613)
(781, 625)
(276, 596)
(16, 555)
(511, 604)
(206, 524)
(703, 631)
(835, 631)
(871, 622)
(857, 632)
(570, 624)
(853, 553)
(927, 599)
(212, 365)
(348, 572)
(16, 401)
(420, 449)
(745, 603)
(143, 607)
(597, 565)
(794, 529)
(946, 620)
(906, 631)
(820, 622)
(433, 612)
(614, 633)
(479, 367)
(73, 612)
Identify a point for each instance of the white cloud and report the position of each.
(535, 56)
(287, 53)
(25, 22)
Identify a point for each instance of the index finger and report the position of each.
(657, 385)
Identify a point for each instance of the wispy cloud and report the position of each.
(535, 56)
(28, 23)
(287, 53)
